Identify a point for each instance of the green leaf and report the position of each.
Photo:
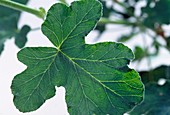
(1, 48)
(155, 75)
(139, 53)
(96, 77)
(21, 37)
(157, 97)
(158, 14)
(9, 25)
(156, 102)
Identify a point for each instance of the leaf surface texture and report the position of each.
(96, 77)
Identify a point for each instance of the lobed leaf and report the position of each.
(96, 77)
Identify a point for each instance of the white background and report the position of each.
(10, 66)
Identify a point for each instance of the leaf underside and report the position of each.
(96, 77)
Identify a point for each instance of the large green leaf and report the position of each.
(96, 77)
(9, 26)
(157, 97)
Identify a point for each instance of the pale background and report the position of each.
(10, 66)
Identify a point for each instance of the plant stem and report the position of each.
(41, 12)
(17, 6)
(119, 3)
(35, 29)
(104, 21)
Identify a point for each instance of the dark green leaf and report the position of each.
(157, 97)
(21, 37)
(155, 75)
(156, 102)
(158, 14)
(139, 53)
(9, 24)
(96, 77)
(1, 48)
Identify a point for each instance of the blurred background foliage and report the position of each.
(150, 20)
(9, 19)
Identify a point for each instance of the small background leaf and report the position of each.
(162, 8)
(21, 37)
(157, 96)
